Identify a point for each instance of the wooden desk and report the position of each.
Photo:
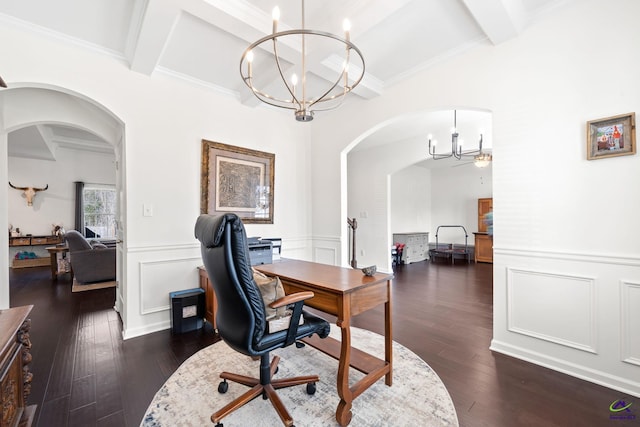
(342, 292)
(211, 302)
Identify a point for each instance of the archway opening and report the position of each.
(42, 125)
(393, 185)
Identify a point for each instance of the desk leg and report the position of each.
(388, 338)
(343, 413)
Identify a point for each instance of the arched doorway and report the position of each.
(26, 105)
(395, 145)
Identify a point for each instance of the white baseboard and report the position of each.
(146, 329)
(597, 377)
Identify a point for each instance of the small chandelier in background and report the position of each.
(297, 97)
(481, 159)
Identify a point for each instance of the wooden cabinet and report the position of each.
(19, 241)
(211, 302)
(484, 206)
(15, 357)
(483, 248)
(416, 246)
(33, 241)
(483, 241)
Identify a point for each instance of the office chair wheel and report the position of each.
(311, 388)
(299, 344)
(222, 388)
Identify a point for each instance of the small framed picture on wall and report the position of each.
(611, 136)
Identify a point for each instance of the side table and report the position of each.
(53, 253)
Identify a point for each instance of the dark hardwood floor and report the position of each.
(86, 375)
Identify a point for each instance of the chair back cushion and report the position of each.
(76, 241)
(271, 289)
(240, 318)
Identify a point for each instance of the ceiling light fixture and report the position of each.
(481, 159)
(291, 96)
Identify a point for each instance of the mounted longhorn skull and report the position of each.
(29, 192)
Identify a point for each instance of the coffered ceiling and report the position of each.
(202, 40)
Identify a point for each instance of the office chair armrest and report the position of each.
(297, 300)
(291, 299)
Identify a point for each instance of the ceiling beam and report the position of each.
(152, 24)
(500, 20)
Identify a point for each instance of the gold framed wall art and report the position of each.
(237, 180)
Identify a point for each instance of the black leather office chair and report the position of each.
(241, 318)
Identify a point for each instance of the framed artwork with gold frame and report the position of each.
(237, 180)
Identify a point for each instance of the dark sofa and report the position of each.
(91, 261)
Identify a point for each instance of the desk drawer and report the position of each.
(368, 298)
(323, 301)
(20, 241)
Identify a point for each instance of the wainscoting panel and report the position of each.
(630, 311)
(553, 307)
(325, 256)
(576, 313)
(295, 248)
(160, 277)
(326, 250)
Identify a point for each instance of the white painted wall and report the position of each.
(164, 123)
(369, 183)
(552, 207)
(4, 237)
(420, 200)
(455, 192)
(410, 197)
(56, 205)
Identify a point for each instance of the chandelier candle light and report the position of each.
(481, 159)
(293, 97)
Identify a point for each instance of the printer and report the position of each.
(260, 251)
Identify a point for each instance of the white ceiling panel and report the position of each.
(103, 23)
(204, 52)
(203, 40)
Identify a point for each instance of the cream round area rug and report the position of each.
(416, 398)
